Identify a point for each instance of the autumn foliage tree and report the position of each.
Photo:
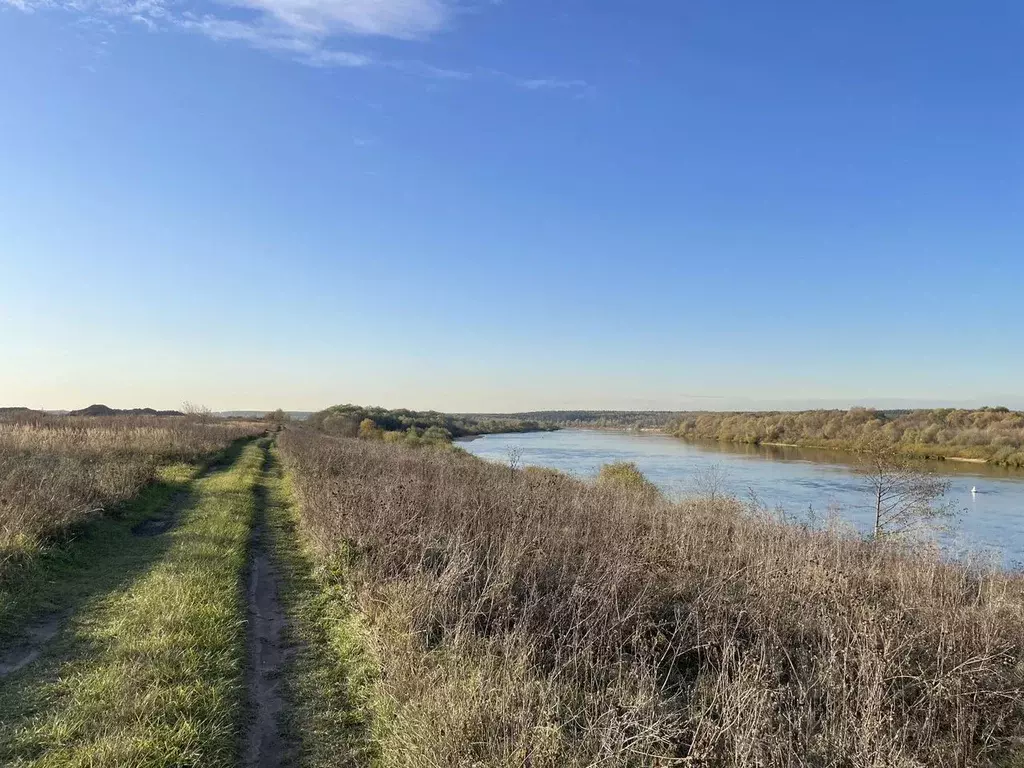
(368, 430)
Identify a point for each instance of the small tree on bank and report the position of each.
(197, 412)
(710, 483)
(368, 430)
(277, 417)
(904, 495)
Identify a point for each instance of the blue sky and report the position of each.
(511, 205)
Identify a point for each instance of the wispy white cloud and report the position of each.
(308, 31)
(550, 84)
(403, 19)
(307, 49)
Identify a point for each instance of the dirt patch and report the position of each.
(37, 637)
(265, 745)
(154, 526)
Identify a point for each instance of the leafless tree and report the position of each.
(710, 482)
(197, 412)
(277, 417)
(515, 458)
(905, 496)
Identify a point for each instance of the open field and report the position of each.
(313, 600)
(58, 471)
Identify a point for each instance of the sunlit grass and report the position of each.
(152, 672)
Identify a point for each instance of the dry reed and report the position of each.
(525, 618)
(58, 471)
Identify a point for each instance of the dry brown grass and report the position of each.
(57, 471)
(524, 618)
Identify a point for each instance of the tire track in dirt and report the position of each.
(37, 636)
(265, 743)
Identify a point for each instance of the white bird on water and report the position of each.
(974, 489)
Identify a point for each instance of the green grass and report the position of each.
(97, 557)
(325, 688)
(149, 667)
(92, 560)
(149, 670)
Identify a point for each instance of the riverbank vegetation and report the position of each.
(525, 617)
(627, 476)
(995, 435)
(58, 471)
(415, 426)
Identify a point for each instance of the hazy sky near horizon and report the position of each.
(498, 205)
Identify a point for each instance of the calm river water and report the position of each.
(793, 479)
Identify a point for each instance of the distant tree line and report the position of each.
(595, 419)
(993, 434)
(414, 427)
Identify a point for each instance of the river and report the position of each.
(802, 482)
